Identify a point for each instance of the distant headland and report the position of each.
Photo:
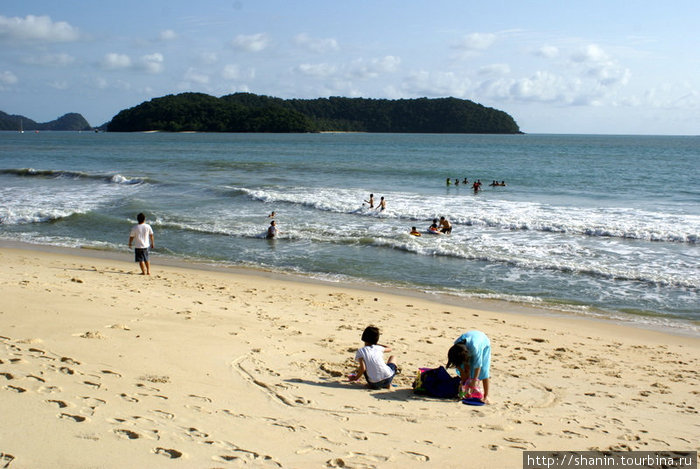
(247, 112)
(71, 121)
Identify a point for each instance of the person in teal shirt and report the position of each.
(471, 355)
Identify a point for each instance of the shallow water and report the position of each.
(599, 225)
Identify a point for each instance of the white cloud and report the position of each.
(59, 85)
(234, 72)
(50, 60)
(167, 35)
(114, 61)
(316, 44)
(193, 76)
(316, 70)
(437, 84)
(541, 87)
(359, 69)
(592, 53)
(387, 63)
(37, 28)
(100, 83)
(476, 42)
(8, 78)
(371, 69)
(600, 66)
(231, 72)
(251, 43)
(152, 63)
(494, 69)
(548, 52)
(209, 58)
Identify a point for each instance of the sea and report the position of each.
(600, 226)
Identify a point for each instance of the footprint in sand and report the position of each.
(73, 418)
(60, 404)
(163, 414)
(126, 434)
(128, 398)
(193, 432)
(5, 460)
(418, 456)
(48, 389)
(91, 403)
(201, 398)
(170, 453)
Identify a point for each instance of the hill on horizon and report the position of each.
(71, 121)
(247, 112)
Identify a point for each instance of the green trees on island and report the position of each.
(247, 112)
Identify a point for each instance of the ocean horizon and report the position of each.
(603, 226)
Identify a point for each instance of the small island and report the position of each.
(247, 112)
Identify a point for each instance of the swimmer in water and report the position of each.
(414, 231)
(272, 231)
(445, 226)
(434, 227)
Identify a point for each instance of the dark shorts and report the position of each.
(141, 255)
(385, 382)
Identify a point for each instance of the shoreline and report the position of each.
(452, 299)
(188, 367)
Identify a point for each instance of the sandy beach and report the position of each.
(101, 367)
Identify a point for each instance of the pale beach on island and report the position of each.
(194, 367)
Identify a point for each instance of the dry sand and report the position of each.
(101, 367)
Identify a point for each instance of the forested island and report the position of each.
(247, 112)
(71, 121)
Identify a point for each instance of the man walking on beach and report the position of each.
(142, 234)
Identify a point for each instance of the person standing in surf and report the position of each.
(272, 231)
(142, 237)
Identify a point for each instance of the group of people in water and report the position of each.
(438, 227)
(476, 185)
(381, 206)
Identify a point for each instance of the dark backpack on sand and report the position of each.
(437, 383)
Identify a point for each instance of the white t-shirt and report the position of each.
(141, 234)
(373, 356)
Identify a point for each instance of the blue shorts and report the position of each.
(141, 255)
(385, 383)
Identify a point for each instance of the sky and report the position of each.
(559, 66)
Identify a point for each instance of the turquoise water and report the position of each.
(597, 225)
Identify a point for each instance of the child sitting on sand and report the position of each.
(371, 362)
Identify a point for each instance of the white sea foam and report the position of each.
(505, 215)
(46, 203)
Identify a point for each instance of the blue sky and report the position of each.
(608, 67)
